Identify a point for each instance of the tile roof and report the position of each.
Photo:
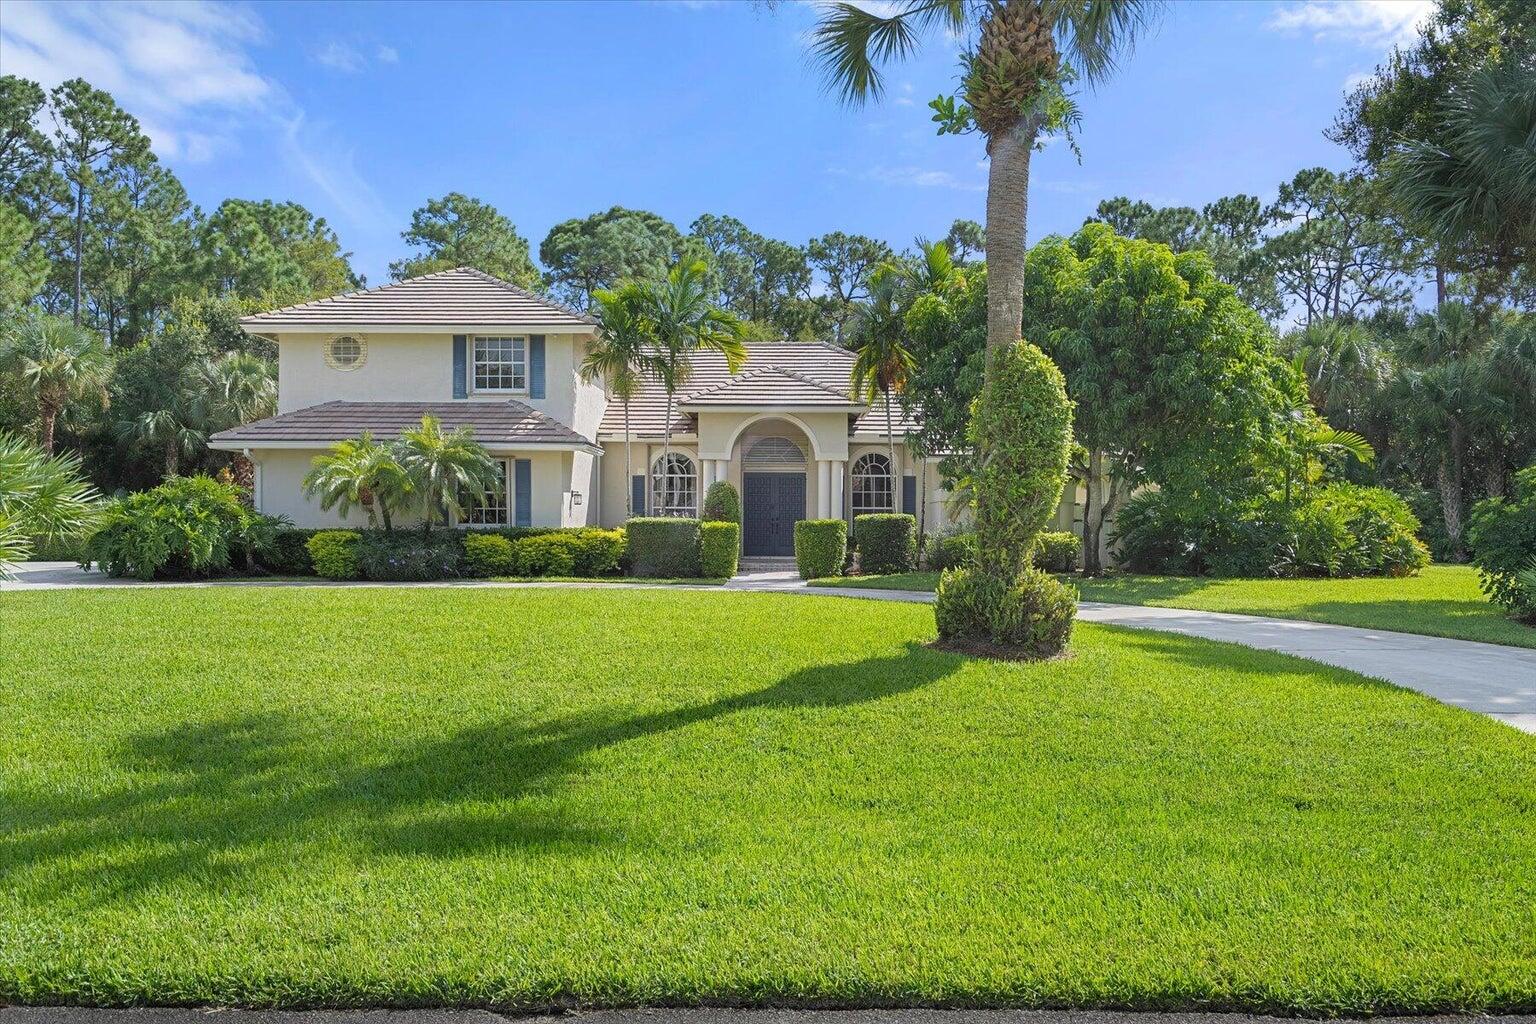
(496, 424)
(459, 297)
(807, 374)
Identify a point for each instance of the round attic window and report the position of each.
(346, 352)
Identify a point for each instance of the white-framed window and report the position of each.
(500, 364)
(674, 486)
(873, 490)
(496, 510)
(346, 352)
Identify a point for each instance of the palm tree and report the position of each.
(359, 471)
(176, 431)
(624, 349)
(682, 320)
(935, 271)
(236, 388)
(446, 467)
(62, 365)
(42, 496)
(882, 363)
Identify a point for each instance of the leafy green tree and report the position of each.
(42, 497)
(584, 255)
(622, 353)
(279, 253)
(138, 245)
(23, 265)
(882, 363)
(459, 231)
(966, 242)
(761, 279)
(847, 263)
(948, 337)
(360, 471)
(63, 367)
(445, 468)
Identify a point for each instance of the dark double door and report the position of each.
(771, 505)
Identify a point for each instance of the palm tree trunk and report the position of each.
(1449, 480)
(890, 438)
(1007, 211)
(389, 527)
(50, 416)
(1092, 520)
(666, 454)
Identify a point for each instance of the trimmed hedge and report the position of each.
(722, 503)
(664, 547)
(719, 546)
(1030, 616)
(487, 554)
(1502, 532)
(549, 554)
(820, 545)
(886, 542)
(409, 556)
(334, 554)
(289, 553)
(953, 551)
(1058, 551)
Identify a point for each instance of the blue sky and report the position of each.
(363, 111)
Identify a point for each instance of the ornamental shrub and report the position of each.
(719, 544)
(886, 542)
(409, 556)
(722, 503)
(334, 554)
(596, 552)
(1502, 532)
(820, 546)
(952, 551)
(981, 612)
(549, 554)
(487, 554)
(1058, 551)
(183, 529)
(1021, 424)
(664, 547)
(289, 553)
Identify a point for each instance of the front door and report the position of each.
(771, 505)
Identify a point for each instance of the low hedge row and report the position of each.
(662, 547)
(719, 545)
(447, 554)
(886, 542)
(820, 547)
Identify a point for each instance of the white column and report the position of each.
(823, 489)
(722, 469)
(838, 468)
(707, 470)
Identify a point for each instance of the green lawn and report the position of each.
(523, 797)
(1443, 600)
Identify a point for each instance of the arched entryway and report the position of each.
(772, 454)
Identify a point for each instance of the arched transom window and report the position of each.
(674, 486)
(872, 487)
(774, 451)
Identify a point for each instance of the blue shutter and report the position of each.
(637, 493)
(460, 367)
(536, 366)
(522, 492)
(909, 495)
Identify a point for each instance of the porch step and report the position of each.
(760, 564)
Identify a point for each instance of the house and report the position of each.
(476, 351)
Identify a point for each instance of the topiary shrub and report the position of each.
(333, 553)
(1502, 533)
(1058, 551)
(1029, 616)
(409, 556)
(183, 529)
(288, 554)
(719, 544)
(663, 547)
(952, 551)
(886, 542)
(487, 554)
(722, 503)
(596, 552)
(549, 554)
(820, 546)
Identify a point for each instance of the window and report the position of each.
(496, 511)
(872, 491)
(345, 352)
(774, 451)
(501, 364)
(674, 488)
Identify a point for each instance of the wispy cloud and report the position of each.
(1369, 23)
(350, 58)
(333, 170)
(387, 55)
(910, 177)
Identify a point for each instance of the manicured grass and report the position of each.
(522, 797)
(1443, 600)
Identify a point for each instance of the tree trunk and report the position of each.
(1493, 479)
(50, 416)
(1007, 210)
(890, 440)
(79, 246)
(666, 455)
(170, 459)
(1439, 284)
(1091, 520)
(1449, 479)
(389, 527)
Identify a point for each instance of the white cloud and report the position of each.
(1357, 79)
(339, 57)
(1369, 23)
(386, 55)
(333, 170)
(910, 177)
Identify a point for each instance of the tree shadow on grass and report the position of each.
(219, 799)
(1202, 654)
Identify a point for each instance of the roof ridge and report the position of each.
(797, 375)
(526, 293)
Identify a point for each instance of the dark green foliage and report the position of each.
(951, 551)
(551, 554)
(487, 554)
(1503, 535)
(183, 529)
(334, 554)
(1030, 615)
(288, 554)
(886, 542)
(820, 547)
(663, 547)
(722, 503)
(719, 545)
(57, 549)
(1058, 551)
(409, 556)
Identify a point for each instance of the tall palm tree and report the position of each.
(681, 320)
(236, 388)
(359, 471)
(882, 363)
(446, 467)
(61, 364)
(935, 271)
(622, 352)
(177, 432)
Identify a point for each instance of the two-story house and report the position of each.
(472, 350)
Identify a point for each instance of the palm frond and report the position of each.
(1094, 34)
(850, 43)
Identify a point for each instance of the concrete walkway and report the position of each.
(1491, 679)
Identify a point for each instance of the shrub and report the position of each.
(288, 554)
(1058, 551)
(333, 553)
(597, 552)
(487, 554)
(1030, 615)
(1502, 532)
(57, 549)
(886, 542)
(719, 543)
(661, 547)
(409, 555)
(952, 551)
(722, 503)
(549, 554)
(1383, 531)
(184, 528)
(820, 546)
